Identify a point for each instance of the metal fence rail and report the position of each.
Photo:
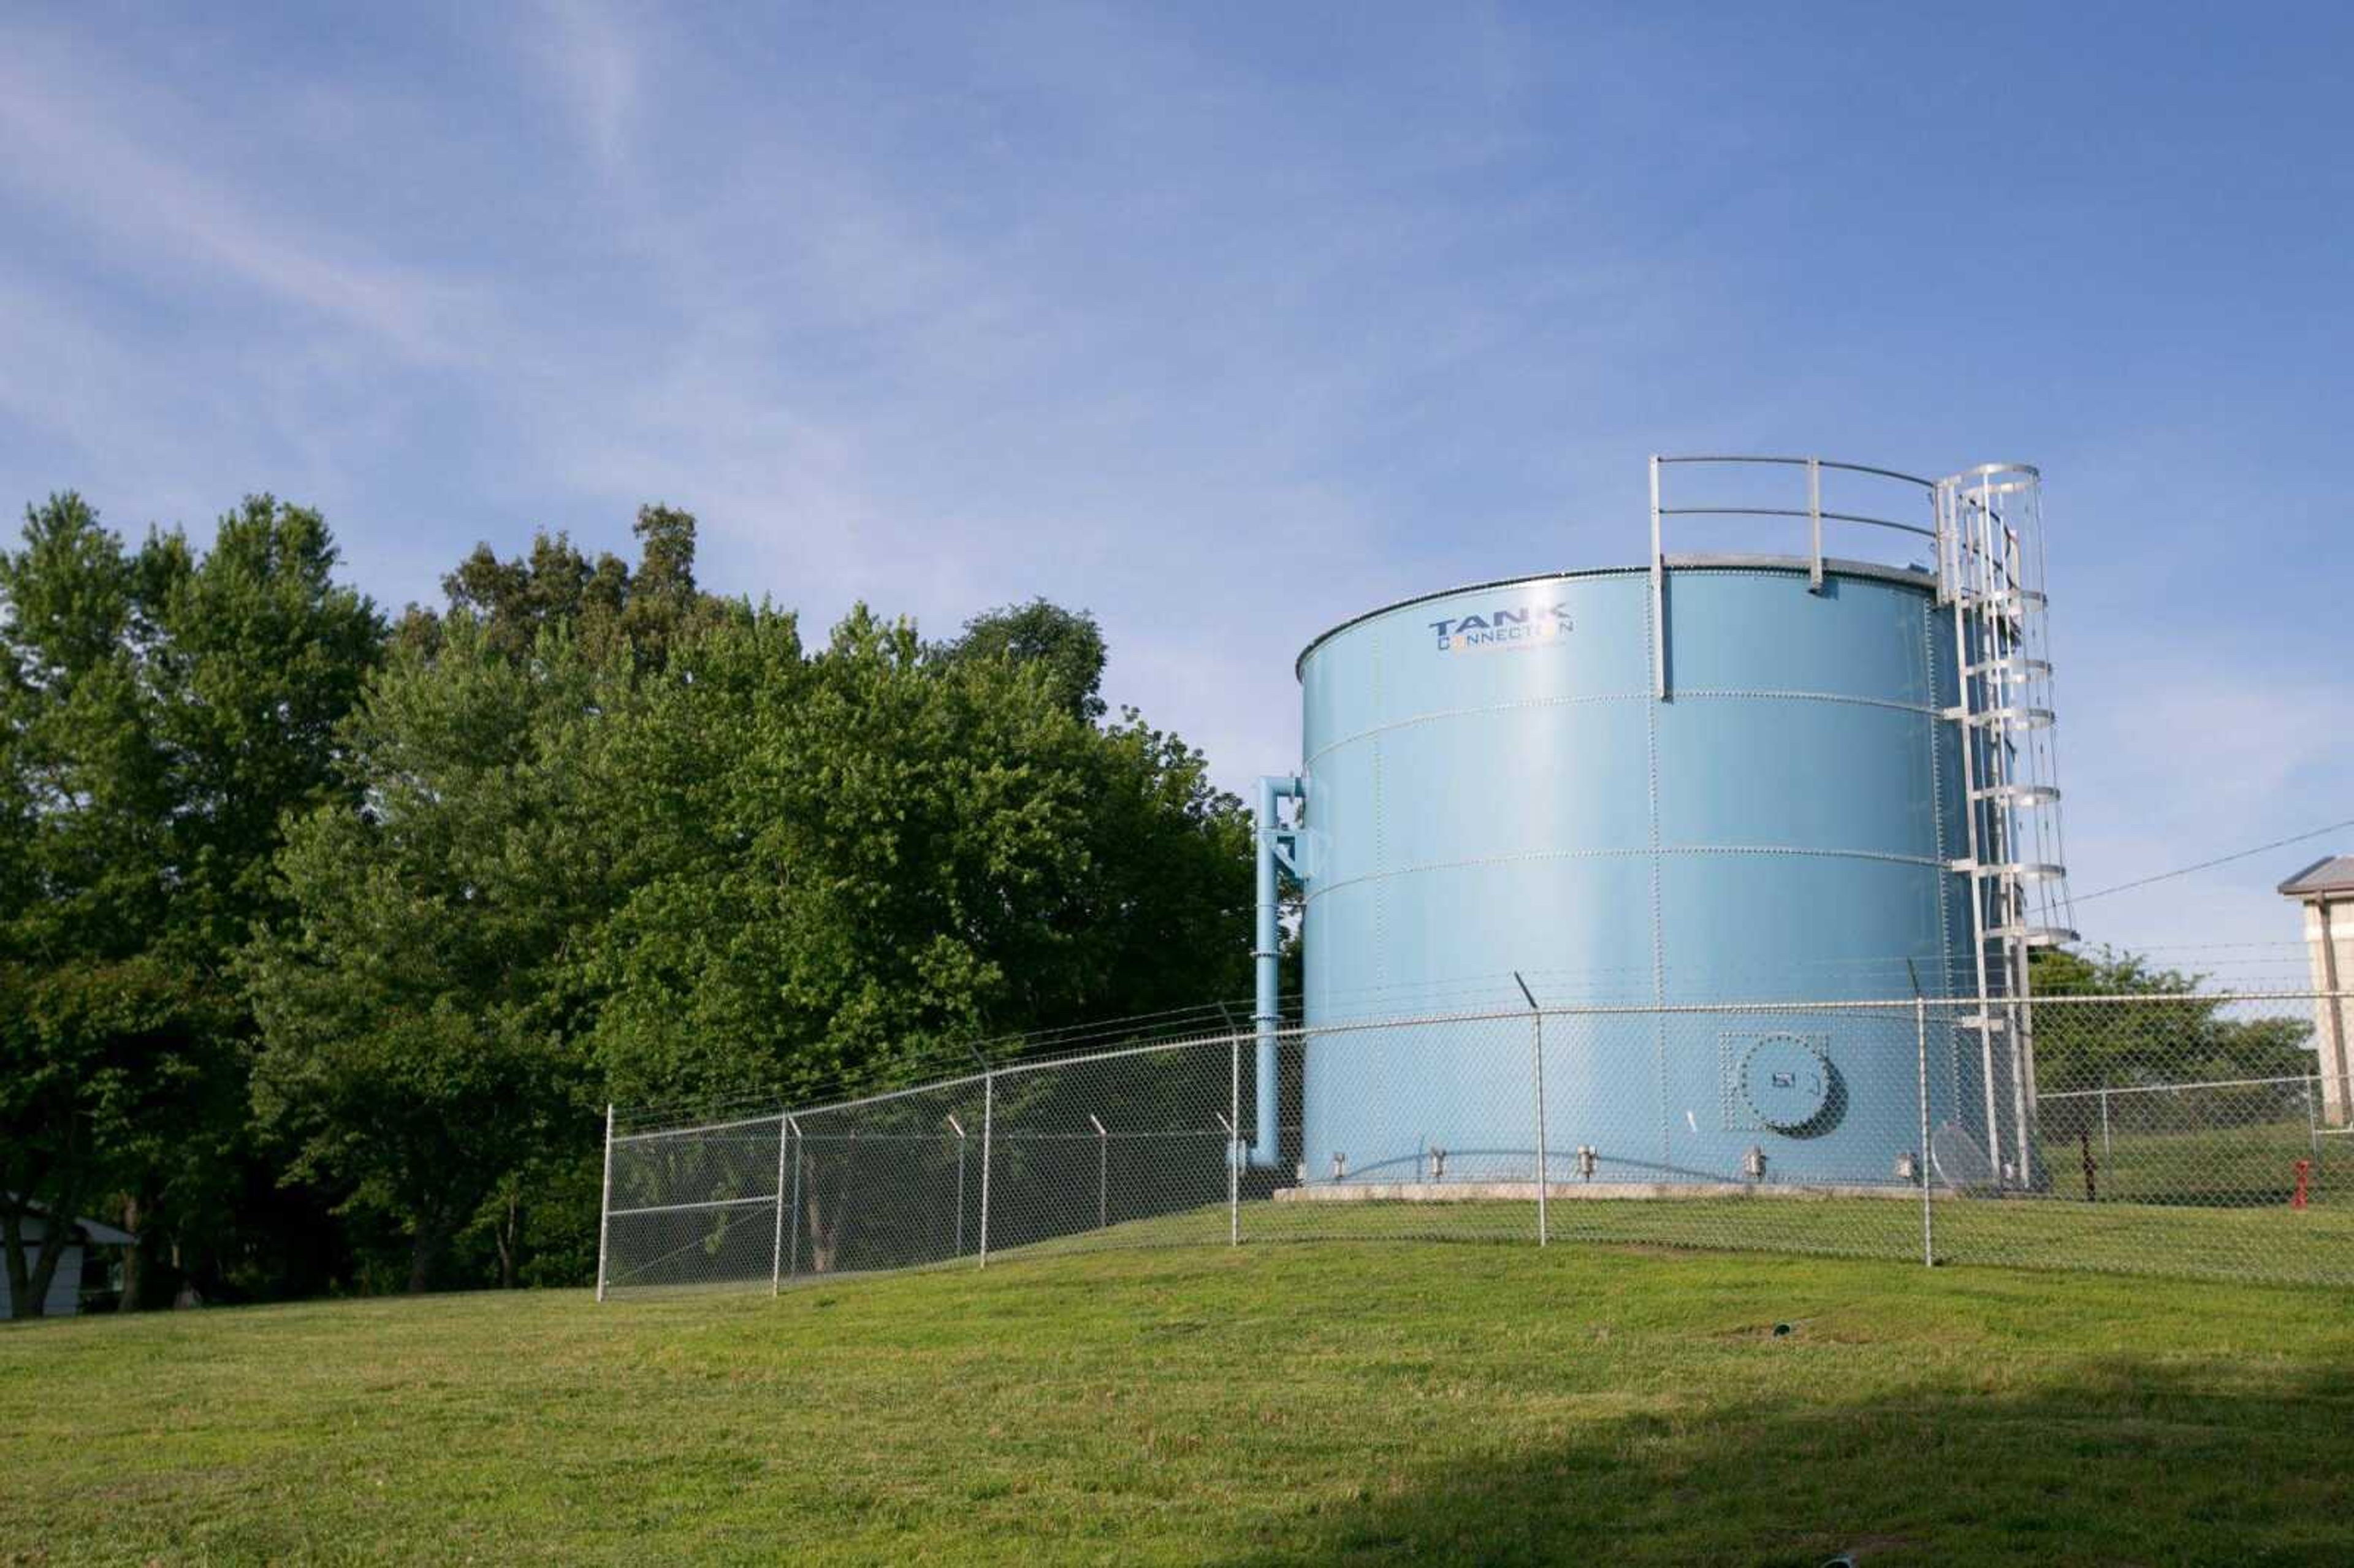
(2187, 1136)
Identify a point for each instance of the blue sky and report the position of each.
(1230, 322)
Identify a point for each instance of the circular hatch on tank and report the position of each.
(1786, 1081)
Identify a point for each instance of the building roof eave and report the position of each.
(2329, 878)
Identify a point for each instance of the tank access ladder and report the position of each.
(1990, 575)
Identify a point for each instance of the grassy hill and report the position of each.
(1364, 1403)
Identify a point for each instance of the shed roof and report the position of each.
(93, 1231)
(2330, 873)
(105, 1234)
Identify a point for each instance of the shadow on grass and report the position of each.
(2131, 1462)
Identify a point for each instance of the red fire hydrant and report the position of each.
(2304, 1171)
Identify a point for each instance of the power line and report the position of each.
(2204, 865)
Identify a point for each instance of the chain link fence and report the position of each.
(2180, 1135)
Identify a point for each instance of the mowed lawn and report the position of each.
(1341, 1402)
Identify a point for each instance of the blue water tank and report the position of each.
(1493, 785)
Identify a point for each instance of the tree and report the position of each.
(2178, 1036)
(598, 603)
(257, 656)
(93, 1049)
(158, 710)
(85, 809)
(1065, 647)
(875, 853)
(412, 1015)
(877, 836)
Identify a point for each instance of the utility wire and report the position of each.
(2204, 865)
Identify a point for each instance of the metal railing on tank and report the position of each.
(1814, 513)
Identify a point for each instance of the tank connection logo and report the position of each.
(1505, 630)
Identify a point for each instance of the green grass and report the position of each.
(1355, 1403)
(2277, 1244)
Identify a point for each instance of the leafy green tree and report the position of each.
(1066, 646)
(517, 599)
(159, 709)
(2178, 1035)
(596, 602)
(87, 1015)
(96, 1050)
(881, 835)
(875, 853)
(413, 1018)
(257, 654)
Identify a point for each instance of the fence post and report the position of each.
(777, 1250)
(1545, 1171)
(1545, 1166)
(605, 1202)
(1103, 1173)
(2108, 1151)
(1921, 1068)
(958, 1128)
(1235, 1142)
(988, 1122)
(801, 1153)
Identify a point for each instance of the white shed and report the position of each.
(2326, 888)
(65, 1285)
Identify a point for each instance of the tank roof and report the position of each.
(1713, 561)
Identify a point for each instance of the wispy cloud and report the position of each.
(155, 214)
(592, 55)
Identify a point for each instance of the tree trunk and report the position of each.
(820, 1239)
(138, 1257)
(510, 1236)
(425, 1252)
(21, 1302)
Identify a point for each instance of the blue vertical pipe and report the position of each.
(1267, 949)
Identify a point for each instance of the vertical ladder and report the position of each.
(1991, 576)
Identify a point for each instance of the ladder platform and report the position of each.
(2034, 936)
(2019, 794)
(2009, 601)
(2023, 870)
(2016, 718)
(2017, 666)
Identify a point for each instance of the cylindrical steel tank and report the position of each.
(1492, 787)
